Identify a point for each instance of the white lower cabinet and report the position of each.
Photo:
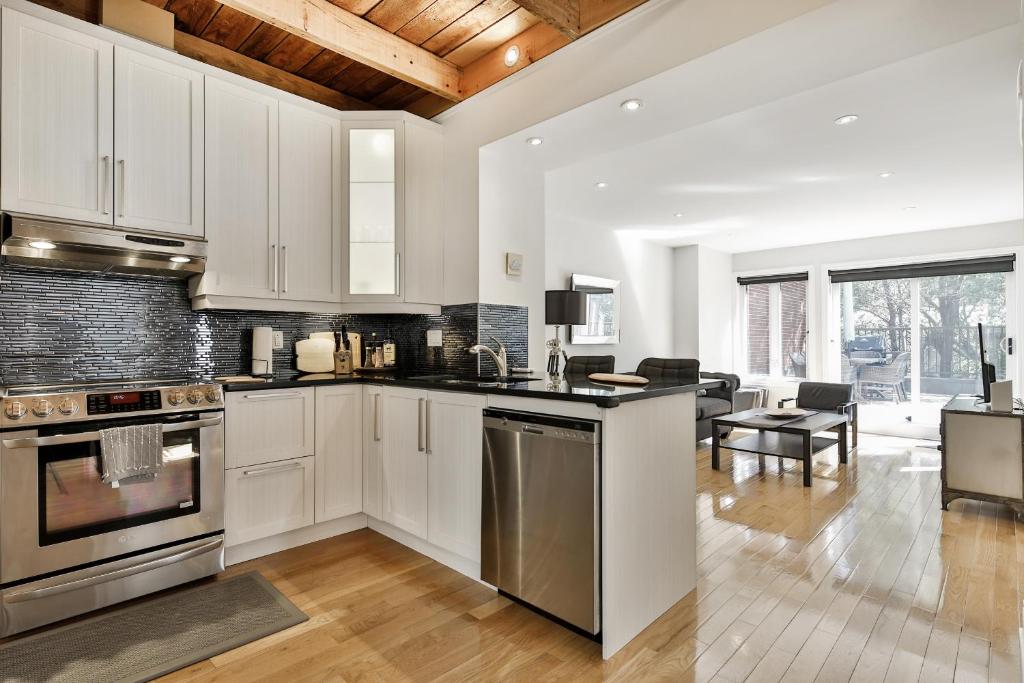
(266, 500)
(267, 425)
(455, 472)
(405, 460)
(373, 450)
(339, 451)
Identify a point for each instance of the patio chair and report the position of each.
(891, 376)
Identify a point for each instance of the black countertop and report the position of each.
(584, 391)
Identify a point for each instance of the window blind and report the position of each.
(972, 266)
(769, 279)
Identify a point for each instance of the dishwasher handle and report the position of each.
(545, 426)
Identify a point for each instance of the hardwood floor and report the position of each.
(860, 577)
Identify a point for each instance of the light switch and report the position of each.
(433, 337)
(278, 339)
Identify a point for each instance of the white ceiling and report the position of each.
(743, 144)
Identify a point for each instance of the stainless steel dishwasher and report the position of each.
(540, 529)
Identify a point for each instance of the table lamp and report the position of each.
(562, 307)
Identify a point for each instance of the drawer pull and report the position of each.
(265, 397)
(276, 468)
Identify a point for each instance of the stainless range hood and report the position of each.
(47, 243)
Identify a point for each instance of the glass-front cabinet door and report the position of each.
(374, 211)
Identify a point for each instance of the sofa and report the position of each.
(710, 402)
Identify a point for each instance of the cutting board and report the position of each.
(613, 378)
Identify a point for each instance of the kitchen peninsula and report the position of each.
(415, 443)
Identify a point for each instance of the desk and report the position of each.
(982, 454)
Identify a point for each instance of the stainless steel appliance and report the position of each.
(76, 246)
(540, 528)
(70, 543)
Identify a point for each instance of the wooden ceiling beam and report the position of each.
(597, 13)
(563, 15)
(534, 43)
(331, 27)
(210, 53)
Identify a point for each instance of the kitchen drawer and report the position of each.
(267, 426)
(265, 500)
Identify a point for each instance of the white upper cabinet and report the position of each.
(375, 216)
(241, 192)
(158, 144)
(57, 121)
(309, 205)
(424, 235)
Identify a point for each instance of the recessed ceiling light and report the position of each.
(909, 208)
(600, 184)
(885, 174)
(511, 55)
(533, 142)
(678, 214)
(846, 119)
(180, 259)
(42, 244)
(632, 104)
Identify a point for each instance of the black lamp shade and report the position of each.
(565, 307)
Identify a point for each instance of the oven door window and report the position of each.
(75, 503)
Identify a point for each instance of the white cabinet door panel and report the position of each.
(310, 205)
(424, 221)
(405, 460)
(266, 426)
(455, 452)
(339, 451)
(373, 450)
(266, 500)
(56, 121)
(241, 192)
(158, 144)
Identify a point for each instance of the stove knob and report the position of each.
(67, 407)
(175, 397)
(42, 408)
(195, 396)
(15, 410)
(212, 395)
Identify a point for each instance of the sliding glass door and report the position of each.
(909, 344)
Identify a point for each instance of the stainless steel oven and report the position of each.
(70, 542)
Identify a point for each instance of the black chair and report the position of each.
(579, 367)
(829, 397)
(710, 402)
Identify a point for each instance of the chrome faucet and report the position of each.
(500, 358)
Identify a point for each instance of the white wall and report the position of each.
(703, 307)
(657, 36)
(645, 271)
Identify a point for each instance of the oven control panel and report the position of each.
(122, 402)
(29, 409)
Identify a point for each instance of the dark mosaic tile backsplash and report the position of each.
(62, 326)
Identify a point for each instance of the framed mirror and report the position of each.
(602, 310)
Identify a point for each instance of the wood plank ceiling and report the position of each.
(423, 56)
(469, 34)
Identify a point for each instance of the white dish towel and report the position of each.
(131, 454)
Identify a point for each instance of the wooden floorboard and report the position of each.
(859, 578)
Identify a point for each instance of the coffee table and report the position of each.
(793, 439)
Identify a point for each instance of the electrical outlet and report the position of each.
(278, 339)
(433, 338)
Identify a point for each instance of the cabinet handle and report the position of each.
(376, 417)
(264, 397)
(122, 199)
(273, 266)
(284, 267)
(105, 185)
(419, 426)
(398, 274)
(275, 468)
(426, 419)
